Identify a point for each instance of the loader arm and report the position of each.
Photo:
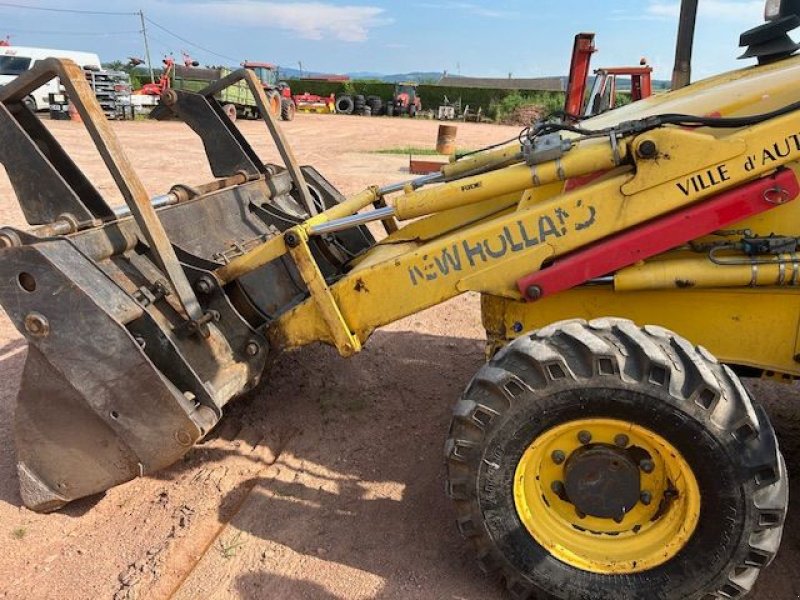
(668, 185)
(174, 304)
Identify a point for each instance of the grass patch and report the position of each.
(19, 533)
(405, 150)
(228, 549)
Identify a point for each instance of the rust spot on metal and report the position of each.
(684, 283)
(360, 286)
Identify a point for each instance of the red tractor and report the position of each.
(405, 101)
(279, 94)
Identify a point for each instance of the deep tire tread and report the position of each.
(647, 356)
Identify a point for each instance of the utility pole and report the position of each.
(300, 64)
(147, 47)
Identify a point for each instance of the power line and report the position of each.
(139, 14)
(175, 35)
(68, 10)
(55, 32)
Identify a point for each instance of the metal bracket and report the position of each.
(82, 97)
(297, 244)
(281, 143)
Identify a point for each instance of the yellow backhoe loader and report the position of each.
(631, 266)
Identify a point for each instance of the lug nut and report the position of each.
(558, 456)
(252, 348)
(558, 489)
(619, 519)
(646, 498)
(647, 466)
(622, 440)
(584, 437)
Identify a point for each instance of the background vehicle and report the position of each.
(406, 101)
(630, 268)
(278, 92)
(16, 60)
(603, 94)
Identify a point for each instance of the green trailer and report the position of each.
(237, 99)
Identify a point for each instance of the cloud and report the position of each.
(468, 7)
(309, 20)
(742, 11)
(729, 10)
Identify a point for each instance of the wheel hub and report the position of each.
(606, 496)
(602, 481)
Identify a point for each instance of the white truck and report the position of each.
(15, 60)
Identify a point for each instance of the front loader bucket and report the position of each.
(135, 344)
(92, 410)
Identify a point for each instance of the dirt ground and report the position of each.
(327, 483)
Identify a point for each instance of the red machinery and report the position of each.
(603, 95)
(406, 100)
(6, 41)
(279, 94)
(314, 103)
(157, 89)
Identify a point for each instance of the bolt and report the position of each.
(647, 149)
(291, 238)
(622, 440)
(646, 498)
(37, 324)
(204, 285)
(558, 489)
(584, 437)
(252, 348)
(647, 466)
(534, 292)
(9, 239)
(517, 327)
(558, 456)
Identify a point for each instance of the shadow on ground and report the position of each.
(361, 486)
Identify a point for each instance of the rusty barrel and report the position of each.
(446, 140)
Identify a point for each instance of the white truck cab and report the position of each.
(15, 60)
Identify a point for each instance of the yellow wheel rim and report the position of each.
(640, 537)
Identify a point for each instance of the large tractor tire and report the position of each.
(288, 110)
(345, 105)
(601, 460)
(390, 111)
(274, 103)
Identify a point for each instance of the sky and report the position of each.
(524, 38)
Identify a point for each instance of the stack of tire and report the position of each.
(375, 104)
(359, 105)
